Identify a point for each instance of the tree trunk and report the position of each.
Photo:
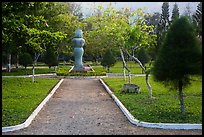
(108, 69)
(96, 61)
(17, 61)
(50, 68)
(125, 67)
(148, 85)
(26, 70)
(34, 62)
(143, 70)
(124, 76)
(129, 77)
(181, 97)
(9, 63)
(147, 74)
(33, 69)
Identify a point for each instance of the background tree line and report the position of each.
(34, 26)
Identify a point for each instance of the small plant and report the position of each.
(64, 72)
(25, 59)
(108, 60)
(50, 58)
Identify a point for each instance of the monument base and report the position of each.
(83, 69)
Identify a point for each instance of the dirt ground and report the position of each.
(83, 107)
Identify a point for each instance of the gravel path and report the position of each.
(83, 107)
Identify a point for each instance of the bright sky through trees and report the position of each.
(149, 7)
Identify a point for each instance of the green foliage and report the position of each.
(38, 38)
(141, 33)
(108, 59)
(20, 97)
(180, 54)
(63, 17)
(25, 29)
(111, 28)
(143, 56)
(25, 59)
(13, 16)
(164, 107)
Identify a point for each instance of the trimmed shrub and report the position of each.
(25, 59)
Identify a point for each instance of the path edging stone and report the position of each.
(34, 113)
(134, 121)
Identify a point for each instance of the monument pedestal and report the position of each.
(74, 69)
(83, 69)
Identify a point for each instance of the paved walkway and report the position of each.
(82, 106)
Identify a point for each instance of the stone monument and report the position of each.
(78, 52)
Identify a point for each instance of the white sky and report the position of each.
(150, 6)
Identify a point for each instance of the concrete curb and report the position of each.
(121, 75)
(34, 113)
(147, 124)
(82, 77)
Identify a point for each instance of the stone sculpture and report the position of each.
(78, 51)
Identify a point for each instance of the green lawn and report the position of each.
(21, 71)
(38, 70)
(41, 68)
(165, 107)
(20, 97)
(118, 68)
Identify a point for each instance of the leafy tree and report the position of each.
(175, 12)
(24, 29)
(12, 20)
(108, 59)
(108, 28)
(25, 59)
(179, 57)
(50, 58)
(63, 17)
(140, 35)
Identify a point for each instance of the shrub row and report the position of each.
(65, 72)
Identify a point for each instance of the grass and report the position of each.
(165, 107)
(21, 71)
(118, 68)
(41, 68)
(99, 68)
(20, 97)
